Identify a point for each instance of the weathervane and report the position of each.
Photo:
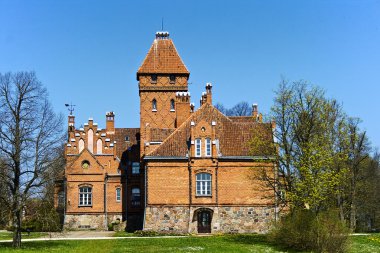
(70, 107)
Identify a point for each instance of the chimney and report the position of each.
(203, 98)
(182, 107)
(110, 122)
(208, 93)
(255, 111)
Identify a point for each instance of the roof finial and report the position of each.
(70, 107)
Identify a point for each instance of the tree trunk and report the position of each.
(353, 210)
(341, 208)
(16, 229)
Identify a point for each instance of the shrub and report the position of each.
(306, 230)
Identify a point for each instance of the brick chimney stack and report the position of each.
(209, 93)
(110, 122)
(182, 107)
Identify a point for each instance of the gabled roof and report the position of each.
(162, 58)
(234, 137)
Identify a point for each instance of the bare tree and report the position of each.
(30, 135)
(240, 109)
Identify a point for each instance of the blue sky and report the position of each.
(88, 52)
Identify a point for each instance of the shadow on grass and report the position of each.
(34, 246)
(256, 239)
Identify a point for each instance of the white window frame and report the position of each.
(198, 147)
(118, 194)
(85, 196)
(134, 165)
(203, 184)
(208, 147)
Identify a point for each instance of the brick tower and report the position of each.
(162, 78)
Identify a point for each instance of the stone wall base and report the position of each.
(225, 219)
(90, 221)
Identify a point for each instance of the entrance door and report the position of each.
(204, 221)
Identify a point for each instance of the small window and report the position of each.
(172, 78)
(172, 105)
(85, 196)
(154, 78)
(127, 138)
(118, 194)
(85, 164)
(198, 147)
(154, 105)
(208, 147)
(135, 197)
(203, 181)
(61, 199)
(135, 168)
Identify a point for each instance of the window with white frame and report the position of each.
(135, 198)
(118, 194)
(208, 147)
(135, 168)
(203, 181)
(198, 147)
(85, 196)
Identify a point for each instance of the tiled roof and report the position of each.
(160, 134)
(234, 137)
(163, 58)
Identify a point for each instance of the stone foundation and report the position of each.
(224, 219)
(89, 221)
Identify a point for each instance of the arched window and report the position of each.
(90, 140)
(118, 194)
(135, 198)
(203, 181)
(99, 146)
(81, 145)
(154, 105)
(172, 105)
(85, 196)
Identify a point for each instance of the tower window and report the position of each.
(154, 78)
(172, 105)
(154, 105)
(127, 138)
(135, 168)
(172, 78)
(135, 198)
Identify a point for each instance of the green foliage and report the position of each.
(150, 233)
(306, 230)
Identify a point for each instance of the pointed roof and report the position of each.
(162, 58)
(234, 136)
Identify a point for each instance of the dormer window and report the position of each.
(172, 79)
(154, 105)
(153, 78)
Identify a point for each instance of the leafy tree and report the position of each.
(30, 135)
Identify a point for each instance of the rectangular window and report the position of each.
(85, 196)
(135, 168)
(203, 181)
(118, 194)
(208, 147)
(198, 147)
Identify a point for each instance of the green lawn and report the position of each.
(226, 243)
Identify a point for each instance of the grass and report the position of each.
(224, 243)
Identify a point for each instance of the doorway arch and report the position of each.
(204, 218)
